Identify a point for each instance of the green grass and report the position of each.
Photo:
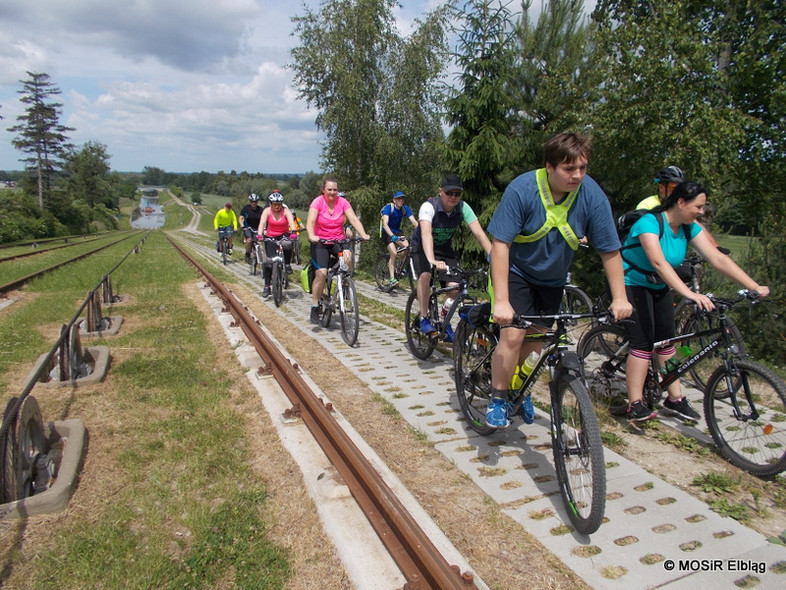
(186, 511)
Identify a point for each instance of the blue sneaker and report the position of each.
(527, 410)
(426, 327)
(449, 333)
(497, 413)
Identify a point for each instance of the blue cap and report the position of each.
(399, 194)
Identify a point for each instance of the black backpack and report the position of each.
(625, 222)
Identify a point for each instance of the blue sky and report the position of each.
(183, 85)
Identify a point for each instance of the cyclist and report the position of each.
(276, 222)
(666, 180)
(225, 222)
(249, 221)
(390, 228)
(326, 216)
(438, 220)
(648, 276)
(543, 216)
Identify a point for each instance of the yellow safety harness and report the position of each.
(556, 213)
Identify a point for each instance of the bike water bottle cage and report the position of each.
(556, 213)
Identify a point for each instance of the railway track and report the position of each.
(417, 557)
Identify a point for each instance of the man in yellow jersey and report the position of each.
(225, 222)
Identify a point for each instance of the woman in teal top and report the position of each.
(650, 254)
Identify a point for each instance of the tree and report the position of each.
(88, 176)
(375, 94)
(41, 136)
(552, 74)
(480, 109)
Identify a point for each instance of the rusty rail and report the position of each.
(419, 560)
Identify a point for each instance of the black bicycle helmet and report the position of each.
(253, 197)
(670, 174)
(275, 197)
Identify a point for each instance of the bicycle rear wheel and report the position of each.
(348, 310)
(278, 283)
(603, 351)
(472, 350)
(578, 454)
(753, 439)
(224, 250)
(574, 300)
(382, 273)
(420, 345)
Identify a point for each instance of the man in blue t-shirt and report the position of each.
(390, 227)
(532, 252)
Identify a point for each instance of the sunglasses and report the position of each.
(453, 193)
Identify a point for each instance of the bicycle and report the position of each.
(576, 301)
(575, 434)
(689, 319)
(422, 345)
(340, 294)
(257, 254)
(223, 238)
(280, 278)
(744, 402)
(404, 267)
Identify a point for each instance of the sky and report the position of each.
(181, 85)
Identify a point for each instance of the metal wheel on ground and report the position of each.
(420, 345)
(31, 450)
(578, 455)
(8, 453)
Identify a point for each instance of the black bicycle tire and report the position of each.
(585, 510)
(472, 348)
(575, 300)
(609, 342)
(224, 251)
(731, 434)
(420, 345)
(350, 318)
(382, 273)
(278, 283)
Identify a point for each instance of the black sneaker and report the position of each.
(314, 314)
(266, 291)
(288, 268)
(247, 258)
(681, 407)
(638, 412)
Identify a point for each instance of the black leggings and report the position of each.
(652, 319)
(271, 249)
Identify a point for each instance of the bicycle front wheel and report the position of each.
(574, 300)
(382, 273)
(578, 454)
(224, 251)
(752, 436)
(420, 345)
(472, 350)
(350, 315)
(278, 283)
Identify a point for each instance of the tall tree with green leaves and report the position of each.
(659, 99)
(480, 107)
(40, 133)
(552, 77)
(87, 175)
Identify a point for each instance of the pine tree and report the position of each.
(40, 134)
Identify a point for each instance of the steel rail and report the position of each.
(10, 286)
(419, 560)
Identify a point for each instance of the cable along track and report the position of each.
(422, 565)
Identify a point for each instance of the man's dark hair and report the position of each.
(566, 147)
